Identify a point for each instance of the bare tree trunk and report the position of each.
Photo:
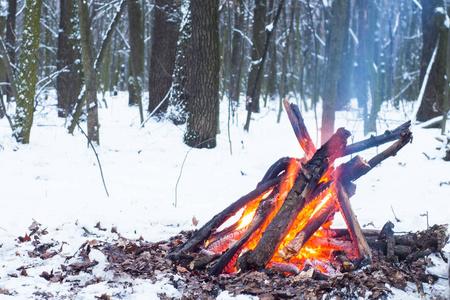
(337, 33)
(259, 23)
(68, 83)
(136, 79)
(178, 96)
(237, 52)
(165, 34)
(87, 51)
(433, 31)
(27, 78)
(203, 80)
(11, 38)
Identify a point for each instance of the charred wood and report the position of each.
(278, 167)
(352, 224)
(374, 141)
(305, 183)
(203, 233)
(263, 210)
(300, 130)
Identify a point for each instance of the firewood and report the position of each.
(375, 141)
(343, 232)
(295, 245)
(305, 183)
(300, 130)
(347, 172)
(278, 167)
(352, 224)
(203, 233)
(263, 210)
(202, 261)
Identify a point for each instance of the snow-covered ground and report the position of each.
(157, 186)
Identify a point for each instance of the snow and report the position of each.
(56, 181)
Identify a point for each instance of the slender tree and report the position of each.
(237, 48)
(11, 37)
(178, 102)
(26, 76)
(203, 81)
(165, 34)
(87, 50)
(337, 33)
(68, 83)
(136, 78)
(258, 38)
(434, 34)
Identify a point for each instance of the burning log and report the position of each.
(295, 197)
(264, 208)
(203, 233)
(305, 183)
(352, 224)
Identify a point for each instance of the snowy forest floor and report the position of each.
(158, 187)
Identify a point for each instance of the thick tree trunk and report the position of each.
(165, 34)
(434, 32)
(26, 77)
(203, 75)
(178, 101)
(87, 50)
(338, 31)
(68, 83)
(259, 23)
(136, 78)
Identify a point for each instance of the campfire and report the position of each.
(284, 223)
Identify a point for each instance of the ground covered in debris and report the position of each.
(116, 267)
(159, 187)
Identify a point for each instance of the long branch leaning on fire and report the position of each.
(272, 179)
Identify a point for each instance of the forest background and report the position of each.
(179, 59)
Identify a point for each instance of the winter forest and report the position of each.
(126, 122)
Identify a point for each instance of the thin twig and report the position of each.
(181, 169)
(79, 126)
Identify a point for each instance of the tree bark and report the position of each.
(237, 52)
(433, 31)
(136, 78)
(178, 102)
(338, 31)
(203, 81)
(87, 51)
(68, 82)
(11, 39)
(259, 23)
(165, 34)
(26, 77)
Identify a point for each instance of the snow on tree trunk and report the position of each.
(136, 40)
(165, 34)
(87, 50)
(203, 75)
(68, 83)
(337, 33)
(259, 23)
(434, 30)
(27, 77)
